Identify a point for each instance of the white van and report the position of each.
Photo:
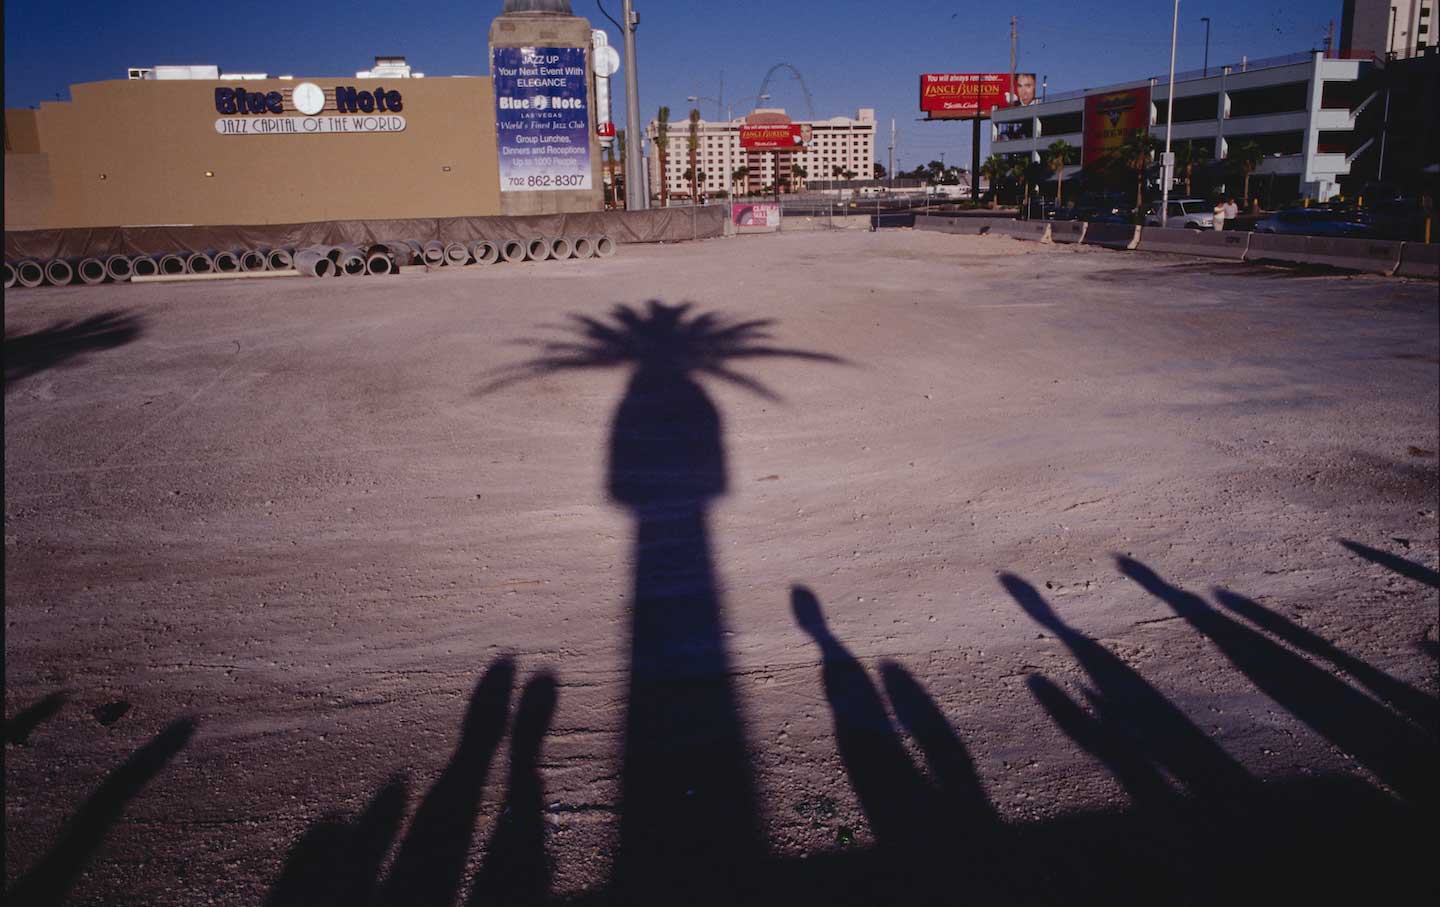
(1195, 213)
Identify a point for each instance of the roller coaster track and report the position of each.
(765, 83)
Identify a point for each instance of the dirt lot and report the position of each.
(988, 572)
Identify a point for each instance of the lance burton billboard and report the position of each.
(1110, 117)
(959, 95)
(780, 136)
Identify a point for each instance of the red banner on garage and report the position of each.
(1110, 117)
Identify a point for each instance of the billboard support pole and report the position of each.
(637, 194)
(975, 161)
(1167, 168)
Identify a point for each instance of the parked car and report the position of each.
(1191, 213)
(1316, 222)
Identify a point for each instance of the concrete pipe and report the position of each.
(604, 247)
(584, 247)
(225, 262)
(313, 262)
(434, 252)
(58, 272)
(378, 263)
(29, 273)
(352, 263)
(9, 275)
(119, 267)
(144, 266)
(91, 271)
(538, 249)
(456, 254)
(279, 259)
(199, 263)
(400, 252)
(333, 253)
(418, 248)
(513, 250)
(561, 248)
(485, 252)
(174, 263)
(251, 260)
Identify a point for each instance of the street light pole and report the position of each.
(637, 194)
(1167, 166)
(1206, 71)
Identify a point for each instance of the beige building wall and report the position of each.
(138, 152)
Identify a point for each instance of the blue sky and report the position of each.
(851, 54)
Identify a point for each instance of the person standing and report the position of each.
(1219, 214)
(1232, 210)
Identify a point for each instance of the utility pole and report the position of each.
(1330, 39)
(637, 194)
(890, 173)
(1167, 163)
(1012, 56)
(1206, 70)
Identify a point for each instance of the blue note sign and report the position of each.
(542, 118)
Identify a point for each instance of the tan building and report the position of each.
(839, 142)
(188, 145)
(133, 152)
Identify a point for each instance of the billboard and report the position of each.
(755, 214)
(542, 118)
(779, 136)
(1109, 117)
(962, 95)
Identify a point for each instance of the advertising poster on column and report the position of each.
(542, 118)
(1110, 117)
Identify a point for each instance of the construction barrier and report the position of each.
(1377, 256)
(1034, 230)
(1420, 260)
(894, 219)
(1068, 231)
(1209, 243)
(793, 223)
(1111, 236)
(967, 226)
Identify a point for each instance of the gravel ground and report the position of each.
(987, 572)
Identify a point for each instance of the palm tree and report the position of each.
(1136, 153)
(692, 144)
(995, 169)
(1187, 158)
(662, 142)
(1056, 157)
(737, 176)
(799, 173)
(1246, 157)
(1020, 169)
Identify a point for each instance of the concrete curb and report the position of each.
(1207, 243)
(1376, 256)
(1419, 260)
(1112, 236)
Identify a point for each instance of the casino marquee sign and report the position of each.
(354, 111)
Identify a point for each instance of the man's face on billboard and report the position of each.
(1025, 88)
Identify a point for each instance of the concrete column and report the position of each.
(1309, 184)
(1222, 113)
(553, 29)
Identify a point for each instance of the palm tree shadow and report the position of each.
(50, 880)
(28, 354)
(1406, 568)
(688, 812)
